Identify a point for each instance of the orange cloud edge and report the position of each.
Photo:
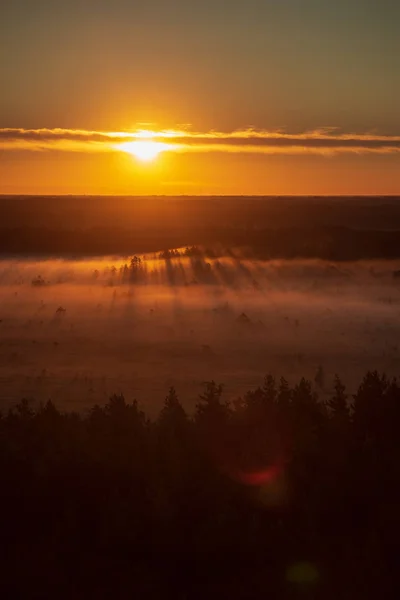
(326, 141)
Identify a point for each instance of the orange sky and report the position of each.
(289, 97)
(245, 162)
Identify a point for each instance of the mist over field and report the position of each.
(77, 331)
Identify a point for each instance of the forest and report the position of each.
(342, 229)
(276, 493)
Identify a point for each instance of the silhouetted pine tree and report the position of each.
(337, 404)
(369, 406)
(210, 410)
(284, 395)
(269, 389)
(24, 410)
(211, 422)
(173, 462)
(173, 411)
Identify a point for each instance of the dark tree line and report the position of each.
(276, 494)
(261, 242)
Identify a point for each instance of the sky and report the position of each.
(224, 96)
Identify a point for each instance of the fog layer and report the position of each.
(78, 331)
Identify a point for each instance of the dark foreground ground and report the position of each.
(275, 495)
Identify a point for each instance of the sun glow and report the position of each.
(145, 150)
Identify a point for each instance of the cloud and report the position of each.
(320, 141)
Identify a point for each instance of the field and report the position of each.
(77, 331)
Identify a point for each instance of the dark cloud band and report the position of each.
(250, 140)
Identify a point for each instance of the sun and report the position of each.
(144, 150)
